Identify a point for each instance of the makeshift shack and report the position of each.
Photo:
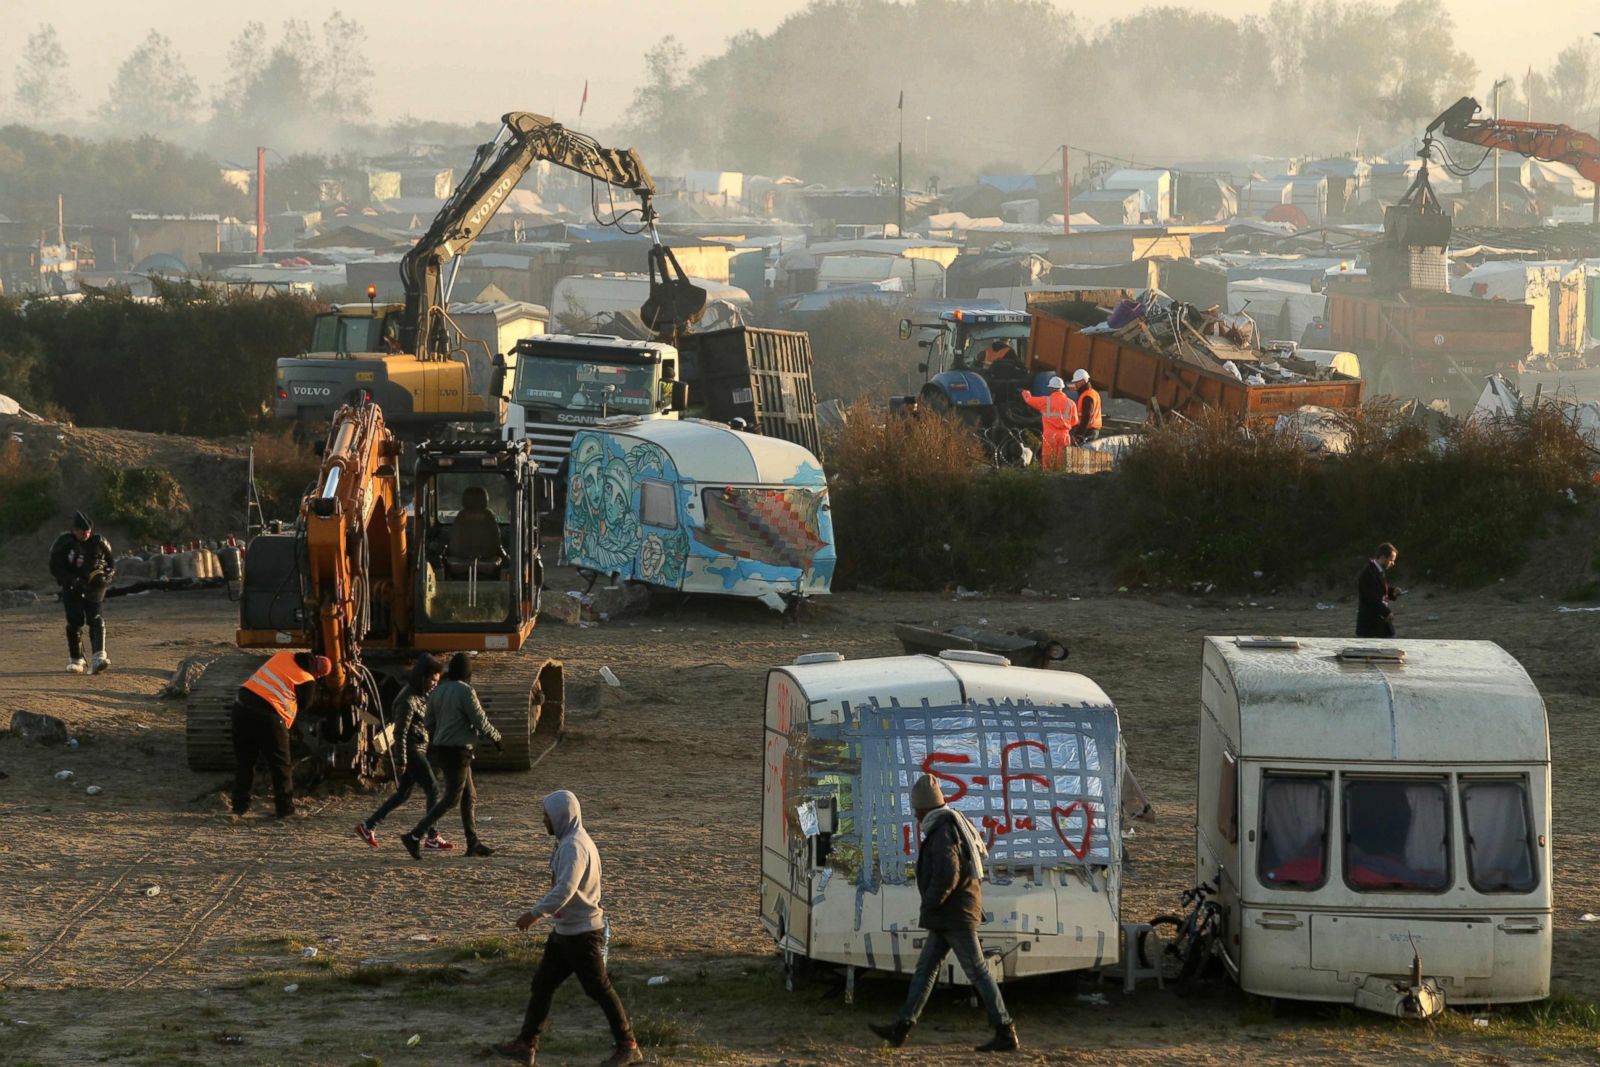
(697, 507)
(1033, 758)
(1555, 291)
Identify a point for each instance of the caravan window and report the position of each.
(1294, 831)
(1499, 827)
(1396, 835)
(657, 504)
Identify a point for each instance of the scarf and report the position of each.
(970, 841)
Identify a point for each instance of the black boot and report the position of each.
(1004, 1040)
(893, 1034)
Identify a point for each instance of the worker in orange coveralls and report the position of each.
(1059, 415)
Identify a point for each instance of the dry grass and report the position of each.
(284, 467)
(25, 500)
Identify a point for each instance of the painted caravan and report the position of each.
(700, 508)
(1033, 758)
(1377, 821)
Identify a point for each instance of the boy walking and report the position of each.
(577, 944)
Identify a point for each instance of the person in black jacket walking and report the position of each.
(950, 881)
(81, 564)
(456, 722)
(1374, 617)
(410, 751)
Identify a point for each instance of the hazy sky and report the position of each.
(472, 61)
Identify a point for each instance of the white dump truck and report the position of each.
(1376, 821)
(1034, 758)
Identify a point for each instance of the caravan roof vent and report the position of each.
(818, 657)
(1371, 654)
(967, 655)
(1267, 642)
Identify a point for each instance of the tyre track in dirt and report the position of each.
(74, 925)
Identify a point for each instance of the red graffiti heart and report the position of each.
(1060, 815)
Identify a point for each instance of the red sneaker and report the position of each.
(438, 843)
(367, 834)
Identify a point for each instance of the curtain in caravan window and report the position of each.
(1500, 856)
(1396, 835)
(1294, 832)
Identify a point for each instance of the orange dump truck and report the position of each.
(1057, 343)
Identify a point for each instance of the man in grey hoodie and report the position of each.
(577, 944)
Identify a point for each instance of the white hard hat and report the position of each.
(1055, 382)
(1079, 375)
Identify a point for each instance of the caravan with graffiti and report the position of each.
(700, 508)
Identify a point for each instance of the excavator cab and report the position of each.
(475, 521)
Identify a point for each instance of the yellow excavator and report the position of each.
(370, 583)
(410, 358)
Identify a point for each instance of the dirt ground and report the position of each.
(94, 969)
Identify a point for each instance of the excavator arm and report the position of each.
(497, 167)
(355, 546)
(1550, 142)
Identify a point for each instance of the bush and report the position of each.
(1217, 501)
(147, 502)
(857, 353)
(284, 468)
(25, 500)
(916, 507)
(200, 361)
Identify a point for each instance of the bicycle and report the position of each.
(1194, 937)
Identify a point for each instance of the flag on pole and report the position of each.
(585, 101)
(901, 106)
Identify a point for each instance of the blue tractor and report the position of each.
(977, 368)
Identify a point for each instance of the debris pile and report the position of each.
(1209, 338)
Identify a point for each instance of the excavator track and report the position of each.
(208, 719)
(527, 704)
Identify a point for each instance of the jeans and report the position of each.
(969, 953)
(82, 609)
(417, 772)
(456, 763)
(582, 955)
(258, 732)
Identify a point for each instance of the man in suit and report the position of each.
(1374, 617)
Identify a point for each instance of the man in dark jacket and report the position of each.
(410, 751)
(1374, 617)
(456, 721)
(950, 882)
(81, 564)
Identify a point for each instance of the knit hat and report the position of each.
(321, 666)
(926, 794)
(80, 521)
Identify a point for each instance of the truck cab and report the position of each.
(1376, 821)
(565, 382)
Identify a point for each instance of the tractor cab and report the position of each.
(476, 516)
(977, 364)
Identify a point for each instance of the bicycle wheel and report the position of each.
(1198, 947)
(1158, 946)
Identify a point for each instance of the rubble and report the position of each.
(17, 598)
(183, 678)
(43, 729)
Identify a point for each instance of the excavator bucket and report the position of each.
(674, 301)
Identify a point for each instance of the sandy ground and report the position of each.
(93, 969)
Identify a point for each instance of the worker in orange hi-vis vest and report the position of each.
(263, 712)
(1088, 428)
(1059, 415)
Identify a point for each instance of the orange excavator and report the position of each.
(1549, 142)
(371, 583)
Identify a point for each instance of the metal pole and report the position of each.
(1066, 190)
(900, 172)
(1497, 86)
(261, 202)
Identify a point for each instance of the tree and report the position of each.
(153, 91)
(42, 89)
(346, 74)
